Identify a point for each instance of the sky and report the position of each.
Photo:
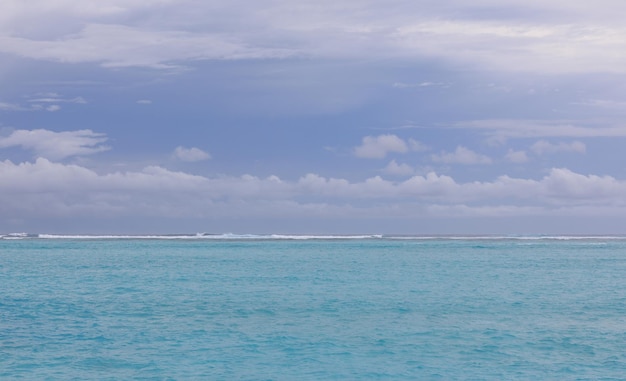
(318, 117)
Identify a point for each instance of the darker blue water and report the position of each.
(316, 309)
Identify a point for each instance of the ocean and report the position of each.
(229, 307)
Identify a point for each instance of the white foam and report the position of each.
(509, 238)
(232, 236)
(203, 236)
(64, 236)
(14, 236)
(299, 237)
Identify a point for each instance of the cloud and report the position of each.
(47, 189)
(32, 107)
(568, 37)
(56, 98)
(606, 104)
(122, 46)
(538, 47)
(516, 156)
(4, 106)
(56, 145)
(404, 85)
(144, 102)
(190, 154)
(461, 155)
(42, 102)
(544, 147)
(396, 169)
(417, 146)
(377, 147)
(503, 129)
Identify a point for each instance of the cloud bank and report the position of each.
(73, 190)
(570, 37)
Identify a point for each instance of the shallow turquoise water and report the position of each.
(378, 309)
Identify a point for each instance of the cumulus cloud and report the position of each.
(73, 190)
(396, 169)
(56, 145)
(461, 155)
(544, 147)
(190, 154)
(516, 156)
(377, 147)
(415, 145)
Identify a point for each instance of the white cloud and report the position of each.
(461, 155)
(55, 98)
(503, 129)
(377, 147)
(56, 145)
(516, 156)
(538, 47)
(44, 188)
(190, 154)
(144, 102)
(404, 85)
(544, 147)
(569, 37)
(606, 104)
(41, 102)
(415, 145)
(396, 169)
(4, 106)
(120, 45)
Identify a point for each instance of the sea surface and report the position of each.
(228, 307)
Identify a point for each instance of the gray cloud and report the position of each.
(573, 37)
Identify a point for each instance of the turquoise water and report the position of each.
(281, 309)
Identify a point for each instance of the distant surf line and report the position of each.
(294, 237)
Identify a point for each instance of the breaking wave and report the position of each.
(14, 236)
(204, 236)
(232, 236)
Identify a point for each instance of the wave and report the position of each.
(231, 236)
(204, 236)
(14, 236)
(510, 238)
